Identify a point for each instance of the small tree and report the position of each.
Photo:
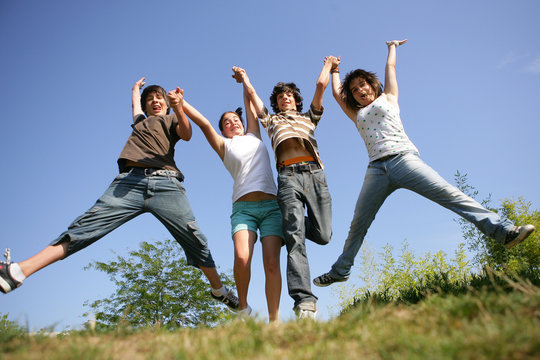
(392, 276)
(488, 251)
(156, 287)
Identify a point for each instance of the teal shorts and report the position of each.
(264, 215)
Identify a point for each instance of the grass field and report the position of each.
(480, 324)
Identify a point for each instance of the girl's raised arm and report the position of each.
(390, 79)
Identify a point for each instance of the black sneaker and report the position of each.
(517, 235)
(327, 279)
(7, 282)
(228, 299)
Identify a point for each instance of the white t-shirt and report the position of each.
(247, 160)
(380, 126)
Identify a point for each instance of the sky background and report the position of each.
(469, 81)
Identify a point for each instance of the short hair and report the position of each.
(238, 112)
(150, 89)
(282, 87)
(369, 77)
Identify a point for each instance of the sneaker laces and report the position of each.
(324, 278)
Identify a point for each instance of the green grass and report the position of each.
(488, 322)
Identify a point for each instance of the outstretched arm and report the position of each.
(213, 138)
(136, 99)
(336, 89)
(323, 80)
(390, 79)
(176, 99)
(251, 117)
(240, 76)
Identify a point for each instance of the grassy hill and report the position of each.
(480, 324)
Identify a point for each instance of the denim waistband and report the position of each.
(154, 172)
(312, 166)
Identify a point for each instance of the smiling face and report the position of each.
(155, 104)
(362, 91)
(285, 101)
(232, 125)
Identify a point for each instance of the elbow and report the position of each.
(321, 84)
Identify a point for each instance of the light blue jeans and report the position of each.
(408, 171)
(131, 194)
(302, 187)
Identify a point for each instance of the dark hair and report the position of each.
(150, 89)
(369, 77)
(282, 87)
(238, 112)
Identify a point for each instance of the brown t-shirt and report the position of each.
(151, 142)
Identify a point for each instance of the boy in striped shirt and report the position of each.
(301, 179)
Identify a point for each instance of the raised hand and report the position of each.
(176, 97)
(139, 84)
(239, 74)
(333, 61)
(396, 42)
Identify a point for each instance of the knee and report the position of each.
(272, 267)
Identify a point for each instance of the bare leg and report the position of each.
(44, 258)
(212, 276)
(271, 247)
(244, 241)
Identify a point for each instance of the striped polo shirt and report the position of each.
(292, 124)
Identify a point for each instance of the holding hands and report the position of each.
(176, 97)
(334, 62)
(239, 75)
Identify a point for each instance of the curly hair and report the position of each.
(282, 87)
(238, 112)
(150, 89)
(369, 77)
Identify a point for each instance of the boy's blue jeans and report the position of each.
(408, 171)
(131, 194)
(303, 187)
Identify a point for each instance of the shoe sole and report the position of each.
(4, 286)
(325, 285)
(519, 239)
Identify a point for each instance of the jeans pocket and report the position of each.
(179, 185)
(320, 177)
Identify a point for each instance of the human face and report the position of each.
(362, 92)
(232, 125)
(156, 104)
(286, 101)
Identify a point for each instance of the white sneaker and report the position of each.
(306, 314)
(306, 310)
(244, 313)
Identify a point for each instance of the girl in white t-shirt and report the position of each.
(254, 200)
(394, 163)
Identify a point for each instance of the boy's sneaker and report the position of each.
(228, 299)
(306, 314)
(306, 310)
(327, 279)
(517, 235)
(7, 282)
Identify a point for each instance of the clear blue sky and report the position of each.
(469, 82)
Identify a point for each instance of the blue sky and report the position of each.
(469, 80)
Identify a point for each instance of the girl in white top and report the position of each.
(254, 200)
(395, 163)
